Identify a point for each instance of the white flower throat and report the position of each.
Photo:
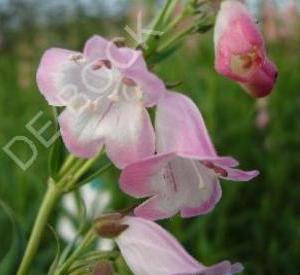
(100, 79)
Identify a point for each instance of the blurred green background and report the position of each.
(256, 223)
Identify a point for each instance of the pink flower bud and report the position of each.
(240, 52)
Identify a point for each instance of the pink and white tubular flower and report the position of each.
(148, 249)
(240, 52)
(184, 175)
(105, 90)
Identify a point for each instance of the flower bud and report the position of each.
(240, 52)
(103, 268)
(110, 225)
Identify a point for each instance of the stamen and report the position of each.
(129, 82)
(120, 42)
(198, 173)
(221, 171)
(106, 63)
(97, 66)
(208, 164)
(244, 64)
(77, 58)
(101, 63)
(139, 92)
(93, 105)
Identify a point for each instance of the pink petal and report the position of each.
(240, 52)
(174, 185)
(235, 41)
(128, 131)
(206, 206)
(240, 175)
(223, 268)
(78, 133)
(144, 240)
(227, 164)
(243, 36)
(136, 178)
(180, 127)
(95, 48)
(263, 81)
(222, 161)
(50, 67)
(151, 210)
(131, 64)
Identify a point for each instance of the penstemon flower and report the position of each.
(105, 90)
(184, 175)
(148, 249)
(240, 52)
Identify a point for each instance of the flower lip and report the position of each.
(162, 179)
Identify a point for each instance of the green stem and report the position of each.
(55, 190)
(50, 199)
(88, 239)
(83, 167)
(175, 38)
(68, 163)
(156, 25)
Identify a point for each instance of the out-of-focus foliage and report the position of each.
(255, 223)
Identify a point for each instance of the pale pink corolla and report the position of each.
(184, 175)
(148, 249)
(240, 52)
(105, 90)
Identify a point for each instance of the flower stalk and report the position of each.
(88, 239)
(51, 197)
(54, 192)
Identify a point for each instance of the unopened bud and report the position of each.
(110, 225)
(104, 268)
(119, 42)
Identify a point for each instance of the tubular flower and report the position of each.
(240, 52)
(184, 175)
(148, 249)
(105, 90)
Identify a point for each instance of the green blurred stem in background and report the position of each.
(76, 168)
(51, 197)
(88, 239)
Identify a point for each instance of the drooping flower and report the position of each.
(105, 90)
(240, 52)
(148, 249)
(184, 175)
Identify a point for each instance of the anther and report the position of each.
(208, 164)
(221, 171)
(101, 63)
(77, 58)
(129, 82)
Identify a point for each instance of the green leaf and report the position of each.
(9, 262)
